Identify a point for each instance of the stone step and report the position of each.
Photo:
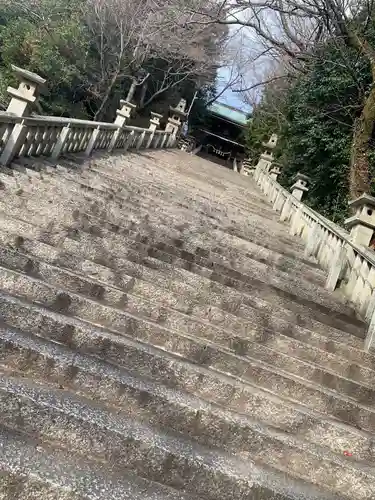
(194, 348)
(220, 257)
(130, 206)
(278, 286)
(275, 288)
(63, 420)
(170, 393)
(135, 217)
(30, 471)
(239, 336)
(103, 179)
(311, 274)
(125, 195)
(180, 289)
(354, 407)
(79, 183)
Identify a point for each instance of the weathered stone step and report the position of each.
(169, 194)
(140, 339)
(126, 196)
(132, 213)
(272, 350)
(58, 417)
(163, 405)
(288, 263)
(308, 295)
(30, 471)
(134, 216)
(232, 195)
(194, 290)
(355, 408)
(266, 327)
(79, 175)
(278, 288)
(260, 271)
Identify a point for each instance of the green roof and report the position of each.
(229, 113)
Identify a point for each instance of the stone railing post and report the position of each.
(122, 115)
(61, 140)
(155, 121)
(337, 267)
(287, 207)
(296, 222)
(275, 172)
(140, 140)
(313, 240)
(247, 167)
(166, 141)
(129, 140)
(362, 223)
(22, 100)
(279, 201)
(154, 125)
(300, 186)
(175, 120)
(266, 158)
(93, 138)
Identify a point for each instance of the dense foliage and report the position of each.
(314, 117)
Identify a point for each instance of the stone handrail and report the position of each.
(25, 135)
(350, 267)
(54, 136)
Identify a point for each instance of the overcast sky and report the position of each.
(229, 97)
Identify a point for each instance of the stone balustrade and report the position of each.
(350, 266)
(51, 136)
(25, 135)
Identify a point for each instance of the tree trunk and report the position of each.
(100, 110)
(131, 92)
(143, 94)
(359, 161)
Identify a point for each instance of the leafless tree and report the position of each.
(292, 30)
(150, 34)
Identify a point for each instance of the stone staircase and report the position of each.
(163, 337)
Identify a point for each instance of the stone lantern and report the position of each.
(21, 103)
(122, 115)
(272, 142)
(300, 186)
(178, 114)
(27, 93)
(124, 112)
(362, 223)
(275, 172)
(155, 121)
(266, 158)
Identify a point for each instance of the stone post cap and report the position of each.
(276, 169)
(364, 199)
(156, 115)
(179, 110)
(364, 215)
(23, 97)
(272, 142)
(302, 177)
(26, 75)
(181, 105)
(267, 155)
(296, 185)
(128, 104)
(301, 181)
